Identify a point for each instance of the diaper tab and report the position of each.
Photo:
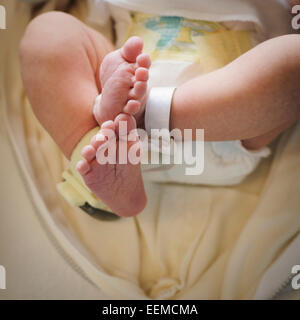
(99, 214)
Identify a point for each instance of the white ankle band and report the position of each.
(158, 107)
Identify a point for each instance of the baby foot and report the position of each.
(119, 186)
(123, 77)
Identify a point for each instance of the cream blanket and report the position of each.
(191, 242)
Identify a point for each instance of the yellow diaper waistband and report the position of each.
(207, 43)
(73, 188)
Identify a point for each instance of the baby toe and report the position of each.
(143, 60)
(108, 125)
(108, 130)
(88, 153)
(83, 167)
(141, 74)
(139, 90)
(124, 124)
(132, 107)
(98, 140)
(132, 48)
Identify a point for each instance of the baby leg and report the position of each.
(60, 62)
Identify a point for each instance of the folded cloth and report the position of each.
(259, 14)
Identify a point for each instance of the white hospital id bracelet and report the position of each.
(158, 107)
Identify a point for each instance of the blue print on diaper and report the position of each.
(170, 29)
(167, 27)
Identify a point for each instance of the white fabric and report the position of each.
(225, 163)
(260, 12)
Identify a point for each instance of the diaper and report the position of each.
(224, 164)
(182, 48)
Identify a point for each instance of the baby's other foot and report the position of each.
(123, 77)
(119, 186)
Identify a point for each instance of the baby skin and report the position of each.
(62, 82)
(123, 77)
